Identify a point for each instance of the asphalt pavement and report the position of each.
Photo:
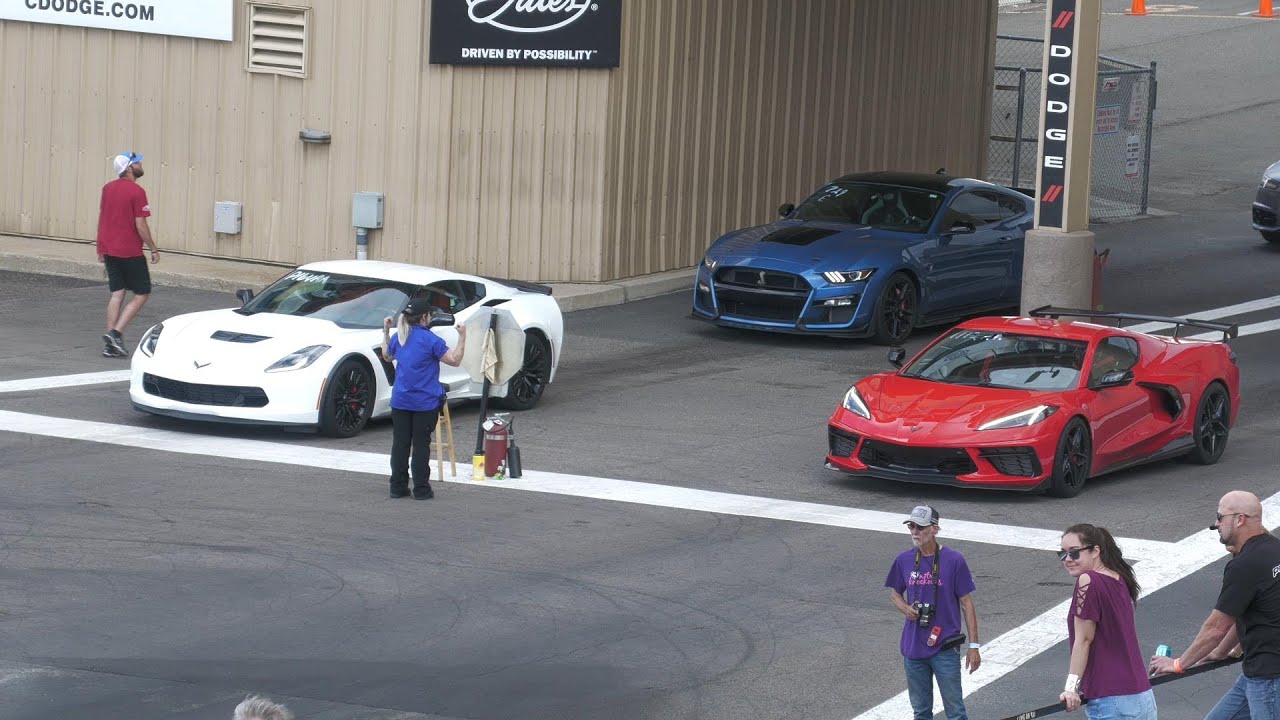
(678, 551)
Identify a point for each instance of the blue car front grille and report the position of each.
(767, 295)
(762, 280)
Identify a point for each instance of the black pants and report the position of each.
(411, 429)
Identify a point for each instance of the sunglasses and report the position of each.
(1220, 515)
(1074, 553)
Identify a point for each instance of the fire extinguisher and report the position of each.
(495, 445)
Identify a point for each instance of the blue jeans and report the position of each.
(1141, 706)
(945, 666)
(1249, 700)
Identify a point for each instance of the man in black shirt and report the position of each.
(1247, 613)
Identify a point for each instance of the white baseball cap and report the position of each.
(124, 160)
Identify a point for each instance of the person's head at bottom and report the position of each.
(256, 707)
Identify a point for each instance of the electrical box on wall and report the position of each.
(366, 210)
(226, 217)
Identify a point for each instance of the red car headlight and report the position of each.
(1026, 418)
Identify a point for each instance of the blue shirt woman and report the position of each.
(416, 396)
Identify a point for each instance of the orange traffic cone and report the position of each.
(1265, 10)
(1139, 7)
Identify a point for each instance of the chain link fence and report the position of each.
(1126, 100)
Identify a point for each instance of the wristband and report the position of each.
(975, 646)
(1073, 684)
(1177, 665)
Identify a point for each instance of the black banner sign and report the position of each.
(548, 33)
(1059, 71)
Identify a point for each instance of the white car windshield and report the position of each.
(347, 301)
(994, 359)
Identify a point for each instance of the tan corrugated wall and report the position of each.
(721, 110)
(724, 109)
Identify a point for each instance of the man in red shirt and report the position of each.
(122, 231)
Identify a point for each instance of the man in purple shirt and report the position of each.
(932, 586)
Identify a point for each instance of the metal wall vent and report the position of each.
(277, 39)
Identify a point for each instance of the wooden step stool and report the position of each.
(444, 425)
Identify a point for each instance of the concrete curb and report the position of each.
(584, 296)
(93, 271)
(47, 256)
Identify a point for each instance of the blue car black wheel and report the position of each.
(896, 310)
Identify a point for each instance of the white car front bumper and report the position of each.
(210, 394)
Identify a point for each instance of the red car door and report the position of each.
(1126, 419)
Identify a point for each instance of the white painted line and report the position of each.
(1011, 650)
(546, 482)
(1214, 314)
(60, 381)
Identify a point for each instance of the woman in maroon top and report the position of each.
(1107, 665)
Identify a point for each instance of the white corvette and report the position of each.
(305, 352)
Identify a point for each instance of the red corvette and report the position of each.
(1030, 403)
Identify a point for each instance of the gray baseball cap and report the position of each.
(922, 515)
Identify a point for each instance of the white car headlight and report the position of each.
(298, 359)
(151, 339)
(854, 404)
(709, 263)
(1026, 418)
(852, 276)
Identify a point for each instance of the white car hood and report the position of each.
(248, 343)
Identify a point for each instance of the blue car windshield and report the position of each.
(890, 207)
(347, 301)
(988, 358)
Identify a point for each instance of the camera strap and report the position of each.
(934, 580)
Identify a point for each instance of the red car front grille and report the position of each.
(841, 443)
(1017, 461)
(944, 461)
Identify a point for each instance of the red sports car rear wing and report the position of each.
(1228, 330)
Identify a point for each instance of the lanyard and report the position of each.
(934, 579)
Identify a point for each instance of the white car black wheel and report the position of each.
(525, 389)
(348, 400)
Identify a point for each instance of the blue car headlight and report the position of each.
(837, 277)
(298, 359)
(1026, 418)
(854, 404)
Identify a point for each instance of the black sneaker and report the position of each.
(400, 493)
(114, 344)
(423, 494)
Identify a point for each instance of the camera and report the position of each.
(925, 611)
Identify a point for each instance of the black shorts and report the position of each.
(128, 274)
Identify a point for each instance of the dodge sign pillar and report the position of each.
(1057, 266)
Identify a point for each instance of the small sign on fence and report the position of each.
(1132, 156)
(1106, 120)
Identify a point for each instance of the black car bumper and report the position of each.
(1266, 210)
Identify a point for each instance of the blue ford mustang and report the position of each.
(871, 255)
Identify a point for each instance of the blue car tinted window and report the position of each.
(884, 206)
